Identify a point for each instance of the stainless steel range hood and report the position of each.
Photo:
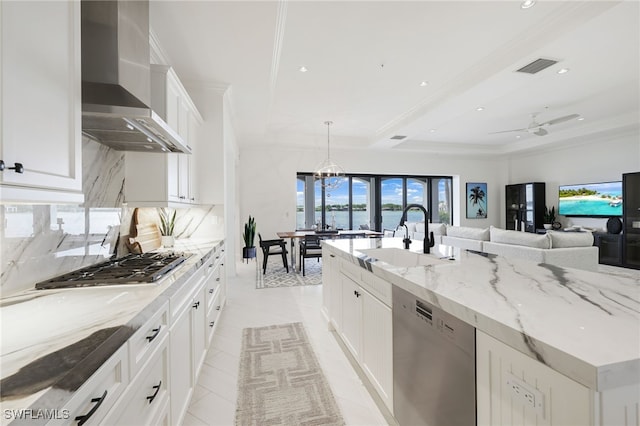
(116, 79)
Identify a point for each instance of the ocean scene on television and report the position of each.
(591, 199)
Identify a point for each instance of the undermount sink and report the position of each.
(404, 258)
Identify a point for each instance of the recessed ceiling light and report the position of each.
(423, 83)
(480, 109)
(526, 4)
(518, 136)
(563, 70)
(432, 130)
(303, 69)
(580, 118)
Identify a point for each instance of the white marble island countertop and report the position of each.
(53, 340)
(585, 325)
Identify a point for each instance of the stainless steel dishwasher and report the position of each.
(434, 375)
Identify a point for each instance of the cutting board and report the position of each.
(148, 237)
(144, 234)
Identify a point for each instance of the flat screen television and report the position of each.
(603, 199)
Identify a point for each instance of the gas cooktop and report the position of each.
(130, 269)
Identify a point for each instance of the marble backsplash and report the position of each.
(42, 241)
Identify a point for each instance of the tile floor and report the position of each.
(214, 398)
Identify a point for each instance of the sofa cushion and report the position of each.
(437, 228)
(468, 233)
(519, 238)
(561, 239)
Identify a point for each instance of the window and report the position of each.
(391, 200)
(372, 201)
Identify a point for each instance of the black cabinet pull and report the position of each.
(356, 293)
(195, 305)
(18, 167)
(218, 308)
(157, 388)
(211, 291)
(211, 323)
(82, 419)
(155, 331)
(332, 255)
(218, 279)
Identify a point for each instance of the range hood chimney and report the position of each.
(116, 79)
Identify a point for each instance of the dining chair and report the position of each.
(276, 246)
(310, 247)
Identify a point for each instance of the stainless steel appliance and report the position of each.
(130, 269)
(116, 79)
(434, 380)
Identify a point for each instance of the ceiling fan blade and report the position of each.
(560, 119)
(508, 131)
(540, 132)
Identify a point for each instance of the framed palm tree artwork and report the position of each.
(476, 200)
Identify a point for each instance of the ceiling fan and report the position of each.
(538, 129)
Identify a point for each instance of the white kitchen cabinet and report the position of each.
(187, 343)
(544, 396)
(157, 179)
(93, 400)
(377, 349)
(147, 397)
(351, 332)
(199, 331)
(40, 102)
(365, 324)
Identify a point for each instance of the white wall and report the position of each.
(267, 185)
(267, 180)
(601, 159)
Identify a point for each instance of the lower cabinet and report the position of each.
(363, 321)
(187, 343)
(93, 401)
(146, 401)
(513, 388)
(150, 379)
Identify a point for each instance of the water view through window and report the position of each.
(353, 204)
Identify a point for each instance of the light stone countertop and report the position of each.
(37, 323)
(585, 325)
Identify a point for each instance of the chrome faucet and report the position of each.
(429, 241)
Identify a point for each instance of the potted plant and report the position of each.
(249, 235)
(549, 217)
(167, 223)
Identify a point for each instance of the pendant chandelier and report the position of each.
(329, 173)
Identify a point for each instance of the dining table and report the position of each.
(343, 233)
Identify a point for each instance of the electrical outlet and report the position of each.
(526, 394)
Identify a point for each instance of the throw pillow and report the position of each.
(561, 239)
(520, 238)
(468, 233)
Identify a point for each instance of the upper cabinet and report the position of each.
(166, 179)
(40, 102)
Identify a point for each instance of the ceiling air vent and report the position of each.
(537, 66)
(398, 137)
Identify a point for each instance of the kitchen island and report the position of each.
(56, 344)
(571, 336)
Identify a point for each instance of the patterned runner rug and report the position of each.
(277, 276)
(280, 381)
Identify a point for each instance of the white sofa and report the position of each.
(568, 249)
(465, 237)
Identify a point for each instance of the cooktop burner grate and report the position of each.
(130, 269)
